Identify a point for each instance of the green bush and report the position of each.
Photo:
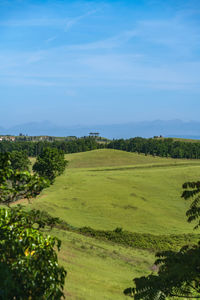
(141, 240)
(28, 261)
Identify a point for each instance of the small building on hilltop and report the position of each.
(94, 134)
(7, 138)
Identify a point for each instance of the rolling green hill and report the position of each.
(117, 158)
(105, 189)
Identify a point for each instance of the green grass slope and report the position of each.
(117, 158)
(105, 189)
(99, 270)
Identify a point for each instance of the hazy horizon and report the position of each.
(50, 122)
(170, 128)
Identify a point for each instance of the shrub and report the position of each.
(28, 260)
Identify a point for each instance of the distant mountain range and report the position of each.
(173, 128)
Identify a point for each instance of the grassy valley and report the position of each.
(105, 189)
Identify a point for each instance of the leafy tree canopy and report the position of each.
(19, 160)
(178, 273)
(28, 261)
(50, 163)
(15, 185)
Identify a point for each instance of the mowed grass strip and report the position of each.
(145, 200)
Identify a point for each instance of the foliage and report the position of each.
(34, 148)
(192, 189)
(178, 276)
(19, 160)
(28, 260)
(43, 219)
(50, 163)
(122, 237)
(15, 185)
(140, 240)
(179, 272)
(167, 147)
(158, 147)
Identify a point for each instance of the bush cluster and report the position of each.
(141, 240)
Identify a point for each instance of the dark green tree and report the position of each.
(50, 163)
(28, 261)
(15, 185)
(178, 273)
(19, 160)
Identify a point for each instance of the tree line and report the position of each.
(152, 146)
(158, 147)
(36, 148)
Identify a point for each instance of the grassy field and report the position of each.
(117, 158)
(99, 270)
(106, 189)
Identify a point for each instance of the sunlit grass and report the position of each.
(105, 189)
(137, 197)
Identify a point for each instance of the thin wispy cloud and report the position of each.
(50, 39)
(172, 33)
(75, 20)
(109, 43)
(64, 23)
(104, 70)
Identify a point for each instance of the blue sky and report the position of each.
(99, 62)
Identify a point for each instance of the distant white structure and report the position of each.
(7, 138)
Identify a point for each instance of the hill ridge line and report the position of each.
(145, 167)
